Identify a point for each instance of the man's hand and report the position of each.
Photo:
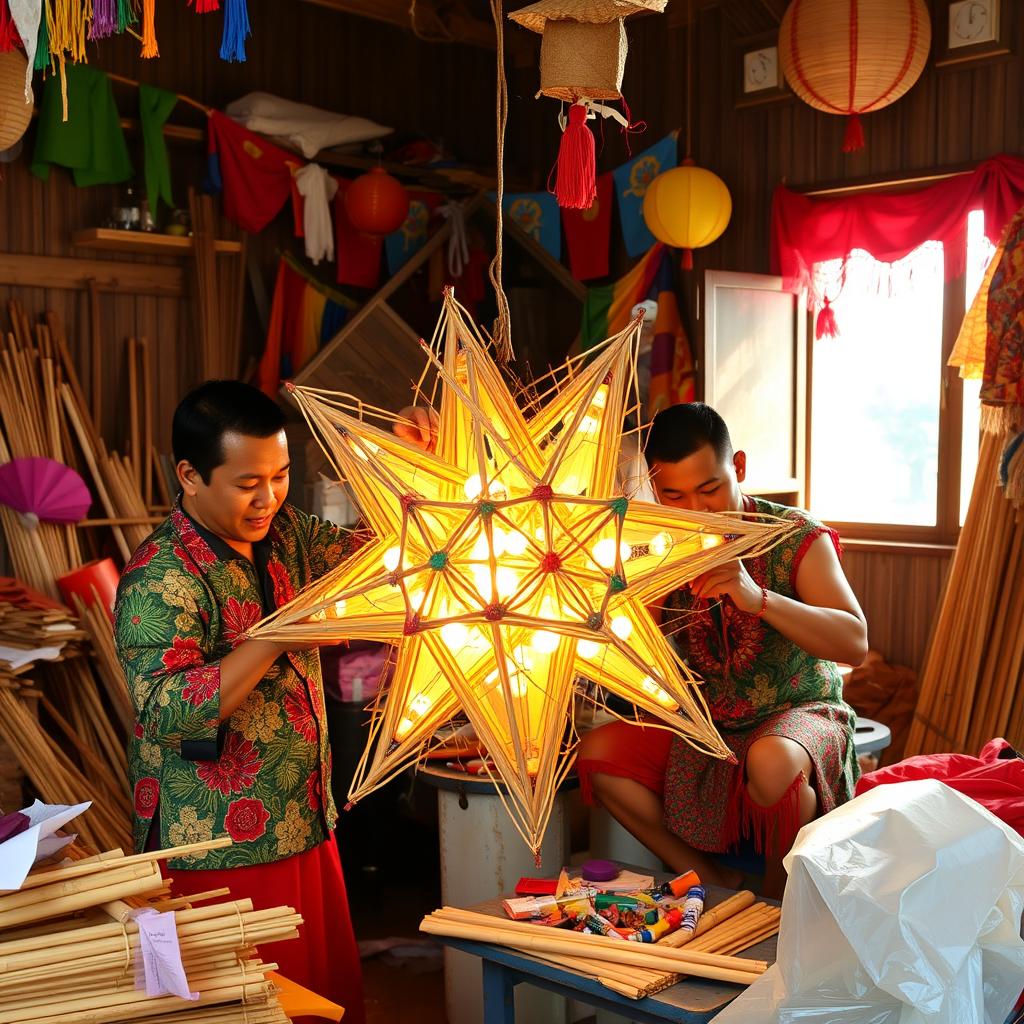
(729, 580)
(418, 425)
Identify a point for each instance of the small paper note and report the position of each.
(20, 852)
(162, 970)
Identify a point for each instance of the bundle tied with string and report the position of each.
(582, 61)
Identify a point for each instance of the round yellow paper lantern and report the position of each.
(853, 56)
(15, 109)
(687, 207)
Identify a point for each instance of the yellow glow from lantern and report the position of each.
(587, 649)
(516, 543)
(391, 558)
(649, 686)
(604, 552)
(455, 635)
(622, 627)
(544, 641)
(660, 544)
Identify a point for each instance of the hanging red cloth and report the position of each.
(806, 230)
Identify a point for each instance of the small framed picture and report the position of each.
(760, 79)
(969, 30)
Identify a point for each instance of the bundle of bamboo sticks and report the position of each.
(631, 969)
(54, 776)
(82, 969)
(972, 682)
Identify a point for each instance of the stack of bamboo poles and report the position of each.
(972, 683)
(220, 291)
(56, 968)
(631, 969)
(45, 414)
(54, 776)
(96, 624)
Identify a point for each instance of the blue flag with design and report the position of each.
(631, 181)
(537, 214)
(401, 245)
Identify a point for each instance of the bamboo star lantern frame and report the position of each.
(505, 566)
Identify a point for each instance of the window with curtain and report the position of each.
(894, 432)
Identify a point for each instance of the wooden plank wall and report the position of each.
(298, 50)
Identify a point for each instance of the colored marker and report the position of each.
(680, 886)
(693, 908)
(669, 923)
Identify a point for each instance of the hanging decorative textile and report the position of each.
(806, 230)
(825, 325)
(155, 106)
(27, 16)
(404, 243)
(9, 35)
(104, 19)
(852, 57)
(535, 214)
(582, 60)
(204, 6)
(588, 233)
(506, 564)
(608, 309)
(632, 179)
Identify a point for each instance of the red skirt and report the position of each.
(324, 958)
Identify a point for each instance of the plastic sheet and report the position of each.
(902, 907)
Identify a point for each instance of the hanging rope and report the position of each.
(502, 335)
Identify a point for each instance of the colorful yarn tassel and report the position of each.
(149, 47)
(854, 137)
(126, 15)
(576, 181)
(205, 6)
(825, 326)
(236, 31)
(104, 19)
(9, 37)
(42, 60)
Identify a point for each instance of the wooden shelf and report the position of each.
(147, 242)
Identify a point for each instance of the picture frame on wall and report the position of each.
(759, 76)
(972, 30)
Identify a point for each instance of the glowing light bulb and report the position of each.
(587, 649)
(507, 581)
(600, 398)
(416, 595)
(622, 627)
(481, 549)
(472, 487)
(604, 552)
(391, 558)
(649, 686)
(455, 635)
(588, 425)
(711, 540)
(339, 609)
(481, 580)
(544, 641)
(420, 704)
(660, 544)
(404, 728)
(499, 542)
(570, 485)
(516, 543)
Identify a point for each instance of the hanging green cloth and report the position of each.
(155, 106)
(91, 142)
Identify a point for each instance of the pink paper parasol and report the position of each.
(43, 489)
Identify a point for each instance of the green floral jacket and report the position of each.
(263, 776)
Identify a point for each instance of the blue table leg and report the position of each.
(499, 994)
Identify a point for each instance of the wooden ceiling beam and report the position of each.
(436, 22)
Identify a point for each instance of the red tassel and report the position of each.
(854, 137)
(206, 6)
(825, 326)
(576, 183)
(686, 259)
(9, 36)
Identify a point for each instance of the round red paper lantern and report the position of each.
(376, 203)
(853, 56)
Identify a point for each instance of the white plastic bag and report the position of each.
(902, 907)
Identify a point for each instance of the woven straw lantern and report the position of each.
(15, 108)
(582, 60)
(853, 57)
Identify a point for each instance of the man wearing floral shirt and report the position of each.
(231, 735)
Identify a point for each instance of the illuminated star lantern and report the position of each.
(506, 566)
